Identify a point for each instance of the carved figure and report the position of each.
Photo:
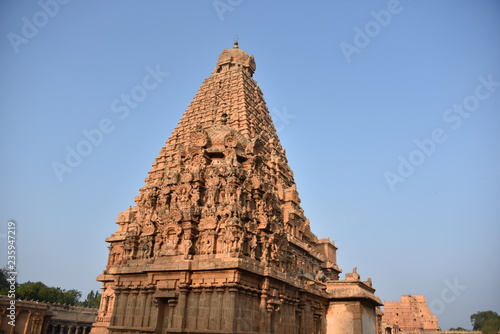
(171, 240)
(187, 244)
(130, 248)
(157, 246)
(146, 247)
(213, 190)
(265, 253)
(231, 158)
(253, 246)
(320, 276)
(172, 177)
(206, 244)
(227, 240)
(354, 276)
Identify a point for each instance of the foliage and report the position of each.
(457, 329)
(93, 299)
(4, 283)
(488, 322)
(40, 292)
(43, 293)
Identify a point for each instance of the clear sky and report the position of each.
(388, 110)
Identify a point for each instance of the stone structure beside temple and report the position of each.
(217, 241)
(32, 317)
(410, 315)
(455, 332)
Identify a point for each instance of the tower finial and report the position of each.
(235, 45)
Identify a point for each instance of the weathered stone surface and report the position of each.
(410, 315)
(217, 241)
(39, 318)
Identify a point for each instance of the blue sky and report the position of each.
(388, 110)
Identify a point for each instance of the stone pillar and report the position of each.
(264, 315)
(194, 309)
(210, 297)
(172, 304)
(204, 309)
(242, 310)
(136, 307)
(140, 318)
(150, 309)
(302, 321)
(130, 308)
(229, 316)
(116, 314)
(124, 307)
(276, 319)
(254, 325)
(215, 309)
(28, 324)
(180, 310)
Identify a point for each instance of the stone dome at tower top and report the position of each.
(234, 58)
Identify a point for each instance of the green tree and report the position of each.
(93, 299)
(4, 284)
(488, 322)
(457, 329)
(40, 292)
(70, 297)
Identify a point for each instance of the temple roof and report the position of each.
(222, 184)
(235, 57)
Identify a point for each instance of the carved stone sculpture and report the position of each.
(217, 241)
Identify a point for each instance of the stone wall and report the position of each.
(410, 315)
(455, 332)
(33, 317)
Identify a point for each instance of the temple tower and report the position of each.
(217, 241)
(411, 315)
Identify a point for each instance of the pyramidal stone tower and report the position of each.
(217, 241)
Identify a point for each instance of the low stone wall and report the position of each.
(38, 317)
(455, 332)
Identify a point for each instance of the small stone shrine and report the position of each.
(217, 241)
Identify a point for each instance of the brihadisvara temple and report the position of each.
(217, 241)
